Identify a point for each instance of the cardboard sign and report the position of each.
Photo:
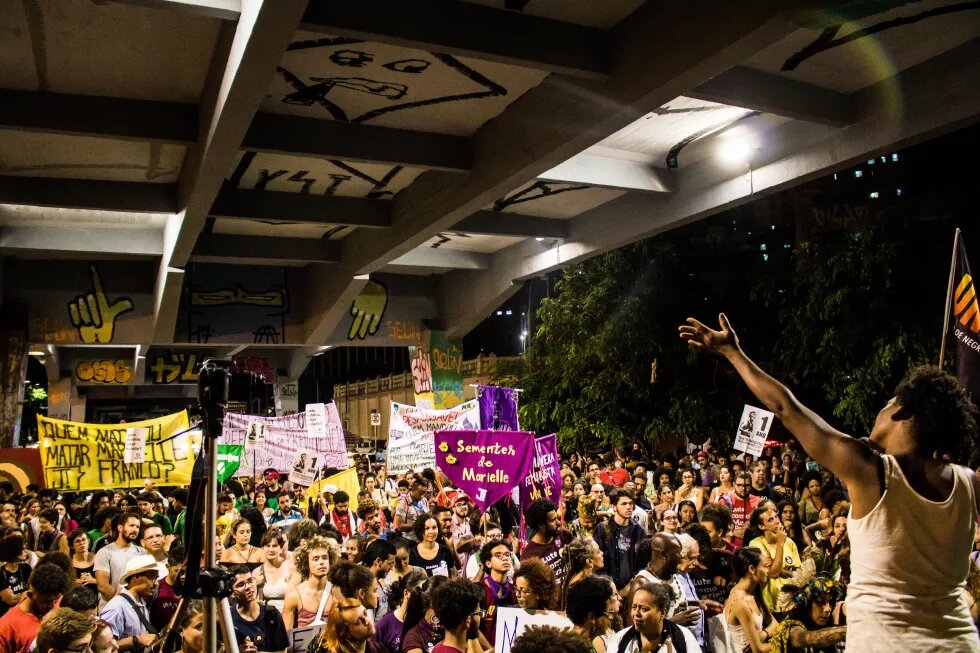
(255, 436)
(511, 622)
(753, 430)
(301, 638)
(316, 420)
(135, 446)
(304, 468)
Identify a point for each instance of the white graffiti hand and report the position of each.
(93, 315)
(368, 309)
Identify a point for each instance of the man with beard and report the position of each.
(127, 613)
(342, 517)
(462, 534)
(497, 587)
(379, 557)
(742, 503)
(618, 538)
(286, 515)
(760, 485)
(260, 624)
(444, 517)
(370, 515)
(145, 503)
(457, 605)
(547, 541)
(110, 561)
(19, 626)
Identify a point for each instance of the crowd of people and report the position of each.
(821, 542)
(700, 550)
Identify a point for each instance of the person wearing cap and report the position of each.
(127, 613)
(271, 487)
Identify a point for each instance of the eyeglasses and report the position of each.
(669, 518)
(242, 584)
(479, 613)
(522, 592)
(87, 649)
(502, 556)
(741, 485)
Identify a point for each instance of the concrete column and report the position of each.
(13, 367)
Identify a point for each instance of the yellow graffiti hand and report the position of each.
(368, 309)
(93, 315)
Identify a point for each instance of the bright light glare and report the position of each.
(735, 150)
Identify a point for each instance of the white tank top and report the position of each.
(909, 562)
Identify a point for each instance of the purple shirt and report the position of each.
(388, 631)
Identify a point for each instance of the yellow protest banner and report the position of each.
(78, 456)
(346, 481)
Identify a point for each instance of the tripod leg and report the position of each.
(227, 626)
(169, 632)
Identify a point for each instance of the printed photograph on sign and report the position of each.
(753, 430)
(304, 468)
(255, 436)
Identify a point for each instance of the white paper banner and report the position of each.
(753, 430)
(511, 622)
(255, 436)
(316, 420)
(284, 437)
(410, 439)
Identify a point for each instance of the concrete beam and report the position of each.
(81, 242)
(259, 250)
(52, 363)
(137, 197)
(244, 63)
(610, 172)
(233, 203)
(938, 98)
(89, 115)
(468, 30)
(222, 9)
(348, 141)
(562, 117)
(770, 93)
(450, 259)
(501, 223)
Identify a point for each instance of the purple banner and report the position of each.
(544, 481)
(486, 465)
(498, 408)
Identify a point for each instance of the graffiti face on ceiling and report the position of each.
(384, 81)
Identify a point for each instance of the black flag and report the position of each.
(964, 321)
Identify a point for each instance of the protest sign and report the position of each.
(135, 446)
(511, 622)
(410, 429)
(498, 408)
(284, 436)
(304, 468)
(753, 429)
(79, 456)
(544, 481)
(486, 465)
(316, 420)
(229, 460)
(301, 638)
(256, 435)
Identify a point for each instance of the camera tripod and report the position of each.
(212, 584)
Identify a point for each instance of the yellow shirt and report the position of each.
(791, 562)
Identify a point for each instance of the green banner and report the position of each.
(229, 459)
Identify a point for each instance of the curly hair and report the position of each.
(541, 578)
(537, 513)
(366, 507)
(299, 531)
(454, 601)
(301, 557)
(587, 508)
(548, 639)
(574, 557)
(944, 419)
(418, 528)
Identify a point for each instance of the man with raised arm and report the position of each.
(906, 574)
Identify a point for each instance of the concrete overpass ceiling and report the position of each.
(305, 174)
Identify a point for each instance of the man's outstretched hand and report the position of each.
(698, 335)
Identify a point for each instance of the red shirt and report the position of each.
(741, 511)
(17, 630)
(442, 648)
(618, 477)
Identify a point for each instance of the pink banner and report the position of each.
(486, 465)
